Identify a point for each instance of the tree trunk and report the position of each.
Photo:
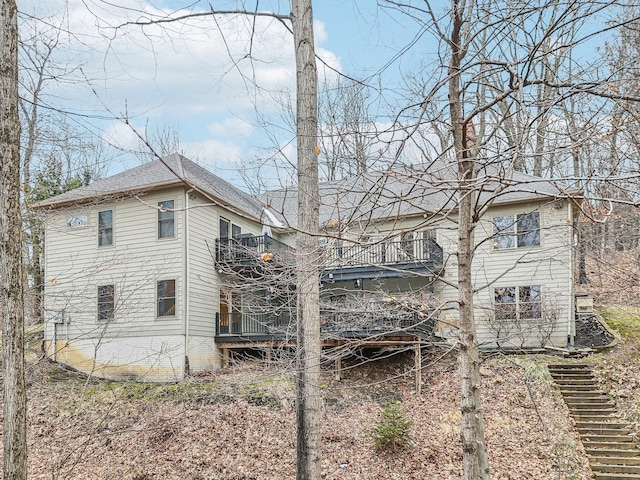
(474, 453)
(308, 399)
(11, 292)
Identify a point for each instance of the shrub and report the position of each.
(391, 432)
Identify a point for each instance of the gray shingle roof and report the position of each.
(411, 190)
(172, 170)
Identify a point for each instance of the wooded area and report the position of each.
(508, 89)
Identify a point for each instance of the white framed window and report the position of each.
(223, 230)
(517, 303)
(166, 298)
(105, 228)
(106, 303)
(166, 217)
(519, 231)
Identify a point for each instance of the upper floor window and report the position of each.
(523, 230)
(105, 228)
(224, 228)
(165, 219)
(166, 298)
(106, 303)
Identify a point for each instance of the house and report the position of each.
(162, 270)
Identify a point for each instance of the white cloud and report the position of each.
(193, 66)
(231, 127)
(214, 154)
(123, 136)
(319, 32)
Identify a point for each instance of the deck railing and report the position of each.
(340, 253)
(282, 323)
(248, 249)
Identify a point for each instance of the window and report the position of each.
(166, 298)
(236, 231)
(106, 303)
(105, 228)
(517, 302)
(523, 231)
(224, 228)
(165, 219)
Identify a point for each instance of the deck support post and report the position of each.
(338, 372)
(225, 357)
(267, 354)
(418, 367)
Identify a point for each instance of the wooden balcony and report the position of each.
(341, 260)
(382, 259)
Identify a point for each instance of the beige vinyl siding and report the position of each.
(203, 278)
(204, 281)
(549, 266)
(75, 266)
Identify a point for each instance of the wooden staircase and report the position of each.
(613, 453)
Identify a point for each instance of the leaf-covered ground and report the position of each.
(239, 424)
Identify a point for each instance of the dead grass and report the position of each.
(238, 424)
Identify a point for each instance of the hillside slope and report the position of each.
(239, 424)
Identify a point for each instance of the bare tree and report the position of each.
(309, 399)
(11, 293)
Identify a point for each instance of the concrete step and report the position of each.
(603, 431)
(616, 476)
(568, 366)
(595, 418)
(591, 398)
(588, 401)
(589, 437)
(591, 405)
(579, 394)
(564, 389)
(608, 424)
(612, 452)
(571, 382)
(597, 467)
(572, 376)
(575, 375)
(589, 445)
(602, 460)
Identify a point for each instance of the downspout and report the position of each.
(572, 308)
(186, 281)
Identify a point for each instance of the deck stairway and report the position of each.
(613, 453)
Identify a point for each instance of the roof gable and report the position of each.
(173, 170)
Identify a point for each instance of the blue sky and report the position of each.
(193, 77)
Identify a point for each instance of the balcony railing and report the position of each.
(387, 252)
(282, 324)
(250, 250)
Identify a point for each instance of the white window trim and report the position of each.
(175, 222)
(113, 228)
(155, 305)
(514, 235)
(109, 320)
